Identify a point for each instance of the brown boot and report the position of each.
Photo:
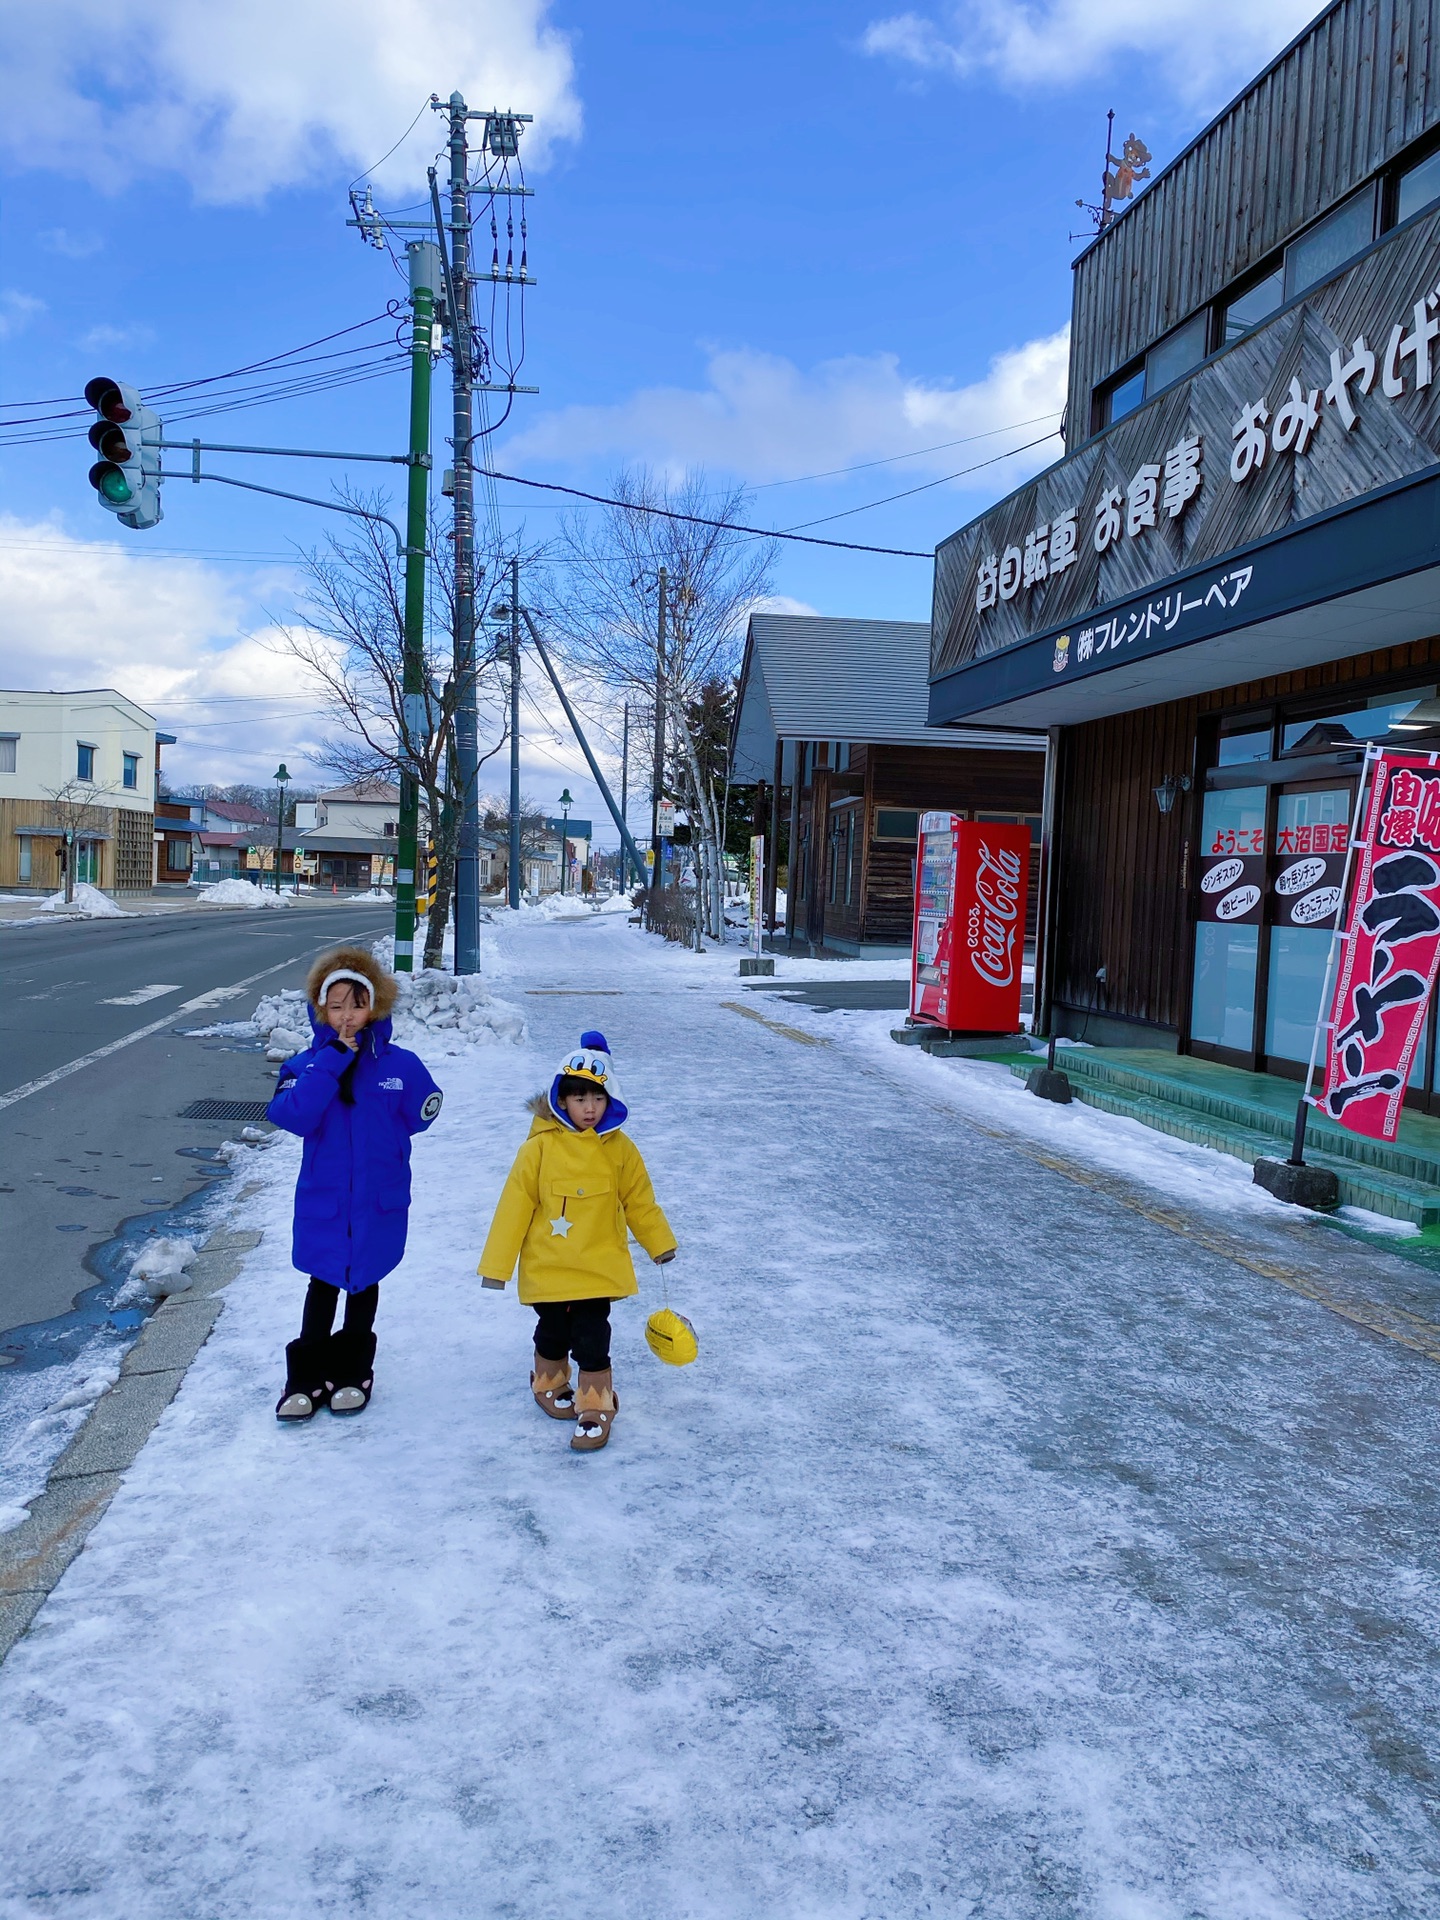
(596, 1405)
(550, 1384)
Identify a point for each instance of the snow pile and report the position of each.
(161, 1265)
(374, 893)
(42, 1410)
(89, 904)
(434, 1009)
(241, 893)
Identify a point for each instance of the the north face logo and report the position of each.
(393, 1086)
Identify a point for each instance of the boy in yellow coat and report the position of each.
(578, 1188)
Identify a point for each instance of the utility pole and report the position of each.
(625, 795)
(467, 729)
(424, 273)
(657, 845)
(515, 732)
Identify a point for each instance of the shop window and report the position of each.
(1377, 720)
(1330, 243)
(1248, 309)
(1236, 749)
(1222, 1003)
(1031, 820)
(84, 762)
(130, 776)
(9, 743)
(1176, 354)
(897, 823)
(1417, 186)
(1123, 397)
(25, 858)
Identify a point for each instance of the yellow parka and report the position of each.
(597, 1186)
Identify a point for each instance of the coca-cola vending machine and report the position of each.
(970, 883)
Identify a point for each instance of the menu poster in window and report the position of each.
(1391, 949)
(1232, 876)
(1309, 874)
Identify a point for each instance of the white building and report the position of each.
(351, 833)
(81, 764)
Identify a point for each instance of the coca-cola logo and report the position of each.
(995, 920)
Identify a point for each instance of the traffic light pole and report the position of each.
(424, 273)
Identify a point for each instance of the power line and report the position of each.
(699, 520)
(926, 485)
(918, 453)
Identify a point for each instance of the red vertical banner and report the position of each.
(1391, 949)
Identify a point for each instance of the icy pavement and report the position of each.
(1007, 1553)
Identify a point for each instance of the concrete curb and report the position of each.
(83, 1481)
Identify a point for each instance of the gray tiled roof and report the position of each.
(807, 677)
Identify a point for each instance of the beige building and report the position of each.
(79, 767)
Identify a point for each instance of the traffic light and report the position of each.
(127, 439)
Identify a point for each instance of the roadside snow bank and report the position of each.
(436, 1012)
(89, 904)
(241, 893)
(160, 1265)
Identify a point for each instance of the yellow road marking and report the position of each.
(776, 1026)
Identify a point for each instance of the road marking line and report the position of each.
(143, 1033)
(776, 1026)
(140, 996)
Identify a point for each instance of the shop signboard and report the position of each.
(969, 941)
(665, 826)
(1134, 542)
(1391, 948)
(1232, 876)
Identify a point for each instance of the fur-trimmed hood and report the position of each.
(384, 987)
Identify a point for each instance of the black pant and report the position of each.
(581, 1327)
(321, 1300)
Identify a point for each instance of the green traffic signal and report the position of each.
(111, 483)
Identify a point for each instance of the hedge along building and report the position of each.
(1231, 581)
(834, 712)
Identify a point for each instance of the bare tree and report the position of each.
(72, 808)
(607, 599)
(351, 641)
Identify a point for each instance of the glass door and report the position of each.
(1227, 936)
(1312, 825)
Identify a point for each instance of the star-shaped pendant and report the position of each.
(561, 1226)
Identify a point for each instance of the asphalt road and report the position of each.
(86, 1146)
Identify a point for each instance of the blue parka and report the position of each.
(352, 1200)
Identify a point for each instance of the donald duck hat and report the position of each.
(590, 1061)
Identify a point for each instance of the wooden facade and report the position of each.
(121, 838)
(1335, 108)
(852, 865)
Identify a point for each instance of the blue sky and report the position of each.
(770, 242)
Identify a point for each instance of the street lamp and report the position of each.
(566, 802)
(281, 778)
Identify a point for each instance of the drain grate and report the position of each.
(224, 1110)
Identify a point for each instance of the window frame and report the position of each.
(85, 770)
(12, 741)
(130, 772)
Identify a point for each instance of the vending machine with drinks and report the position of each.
(971, 878)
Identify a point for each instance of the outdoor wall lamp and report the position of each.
(1168, 788)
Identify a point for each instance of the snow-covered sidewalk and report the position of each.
(1004, 1554)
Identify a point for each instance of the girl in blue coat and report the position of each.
(355, 1099)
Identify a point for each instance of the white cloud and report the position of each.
(763, 419)
(17, 310)
(1201, 47)
(170, 634)
(70, 246)
(99, 339)
(250, 95)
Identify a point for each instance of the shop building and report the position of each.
(830, 719)
(1231, 581)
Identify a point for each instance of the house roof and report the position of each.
(806, 677)
(237, 810)
(379, 792)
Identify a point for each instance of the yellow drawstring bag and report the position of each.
(671, 1338)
